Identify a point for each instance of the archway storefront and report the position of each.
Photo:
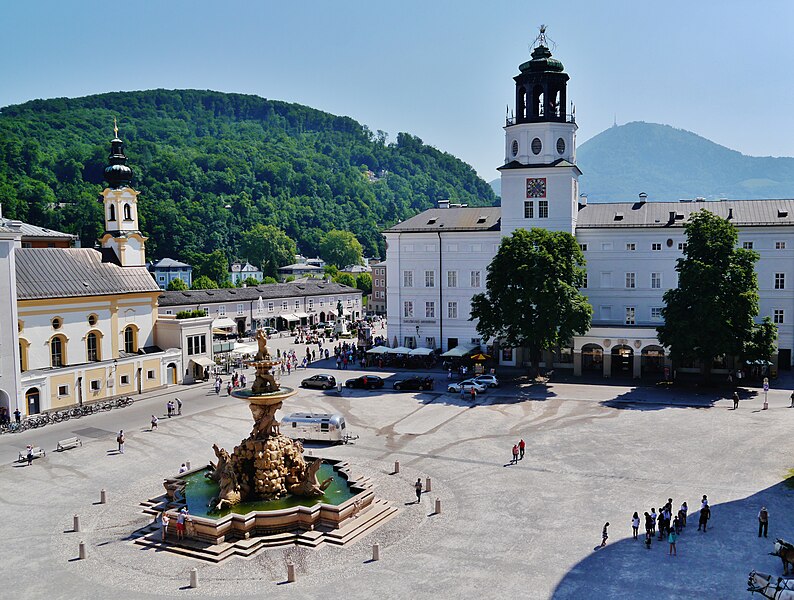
(592, 358)
(652, 361)
(620, 352)
(33, 401)
(622, 361)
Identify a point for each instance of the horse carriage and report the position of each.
(771, 586)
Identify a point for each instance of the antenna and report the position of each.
(542, 40)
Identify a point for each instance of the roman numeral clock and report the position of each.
(536, 187)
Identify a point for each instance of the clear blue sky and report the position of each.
(441, 70)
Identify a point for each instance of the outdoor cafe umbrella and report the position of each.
(480, 357)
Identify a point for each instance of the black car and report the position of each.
(414, 383)
(365, 382)
(324, 382)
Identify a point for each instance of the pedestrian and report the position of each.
(183, 468)
(217, 387)
(653, 521)
(660, 523)
(515, 454)
(164, 521)
(229, 389)
(29, 455)
(682, 513)
(763, 521)
(169, 408)
(635, 525)
(677, 524)
(154, 423)
(180, 524)
(449, 377)
(243, 380)
(648, 530)
(604, 535)
(120, 441)
(473, 393)
(178, 406)
(705, 515)
(418, 489)
(521, 447)
(462, 393)
(18, 415)
(735, 400)
(672, 537)
(790, 405)
(704, 501)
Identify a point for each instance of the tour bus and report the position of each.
(320, 427)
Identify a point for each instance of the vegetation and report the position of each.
(711, 312)
(204, 283)
(268, 248)
(364, 283)
(532, 297)
(177, 285)
(340, 248)
(190, 314)
(211, 165)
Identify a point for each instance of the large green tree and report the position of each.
(340, 248)
(711, 313)
(268, 247)
(213, 265)
(177, 285)
(364, 283)
(204, 283)
(532, 296)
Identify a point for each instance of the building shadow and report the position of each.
(658, 398)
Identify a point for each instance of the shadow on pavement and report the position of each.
(659, 399)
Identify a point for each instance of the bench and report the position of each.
(37, 453)
(71, 442)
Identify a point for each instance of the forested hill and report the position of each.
(210, 165)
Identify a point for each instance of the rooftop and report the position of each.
(484, 218)
(35, 232)
(266, 292)
(165, 263)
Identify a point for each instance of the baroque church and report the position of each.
(437, 260)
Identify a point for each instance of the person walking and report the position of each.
(705, 515)
(635, 525)
(120, 441)
(604, 535)
(672, 537)
(229, 389)
(735, 400)
(178, 406)
(763, 521)
(418, 489)
(515, 454)
(169, 407)
(682, 513)
(648, 530)
(217, 387)
(29, 455)
(164, 521)
(521, 448)
(790, 405)
(18, 416)
(155, 420)
(653, 521)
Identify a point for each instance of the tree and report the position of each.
(248, 282)
(204, 283)
(213, 265)
(268, 279)
(340, 248)
(364, 283)
(346, 279)
(269, 247)
(711, 312)
(177, 285)
(532, 296)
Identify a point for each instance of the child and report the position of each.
(164, 520)
(635, 524)
(671, 538)
(677, 525)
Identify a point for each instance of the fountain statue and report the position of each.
(266, 465)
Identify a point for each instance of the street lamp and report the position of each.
(417, 336)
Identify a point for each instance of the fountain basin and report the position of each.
(264, 398)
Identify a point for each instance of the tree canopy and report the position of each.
(340, 248)
(532, 296)
(364, 283)
(711, 313)
(268, 247)
(177, 285)
(204, 283)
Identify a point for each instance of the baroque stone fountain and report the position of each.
(266, 465)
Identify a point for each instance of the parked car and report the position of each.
(324, 382)
(414, 383)
(365, 382)
(487, 380)
(467, 385)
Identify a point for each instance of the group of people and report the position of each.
(236, 380)
(183, 519)
(666, 523)
(518, 451)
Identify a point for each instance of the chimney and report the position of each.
(643, 197)
(671, 219)
(582, 199)
(730, 213)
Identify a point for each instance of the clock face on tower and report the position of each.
(536, 187)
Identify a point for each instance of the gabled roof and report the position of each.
(35, 232)
(243, 267)
(485, 218)
(72, 272)
(266, 291)
(300, 267)
(560, 162)
(165, 263)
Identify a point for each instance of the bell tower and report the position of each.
(540, 179)
(122, 233)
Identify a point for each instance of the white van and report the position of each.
(322, 427)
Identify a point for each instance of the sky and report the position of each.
(440, 70)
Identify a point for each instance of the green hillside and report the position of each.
(210, 165)
(670, 164)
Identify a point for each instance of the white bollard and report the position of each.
(428, 485)
(76, 523)
(194, 577)
(291, 572)
(103, 496)
(438, 506)
(81, 553)
(375, 551)
(396, 466)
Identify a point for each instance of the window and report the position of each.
(430, 279)
(111, 213)
(780, 281)
(430, 342)
(196, 344)
(408, 279)
(507, 355)
(206, 312)
(747, 245)
(430, 310)
(629, 315)
(656, 313)
(778, 316)
(284, 305)
(125, 380)
(127, 212)
(240, 309)
(169, 311)
(96, 385)
(130, 343)
(583, 248)
(780, 245)
(656, 246)
(682, 246)
(543, 209)
(311, 303)
(56, 323)
(656, 281)
(452, 310)
(92, 347)
(631, 246)
(452, 279)
(270, 306)
(410, 341)
(150, 374)
(584, 283)
(349, 301)
(476, 247)
(630, 280)
(222, 311)
(606, 279)
(297, 304)
(161, 277)
(476, 341)
(606, 246)
(408, 309)
(475, 279)
(63, 390)
(606, 313)
(529, 209)
(56, 352)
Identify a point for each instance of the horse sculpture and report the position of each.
(769, 586)
(786, 553)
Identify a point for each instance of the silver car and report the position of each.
(467, 385)
(487, 380)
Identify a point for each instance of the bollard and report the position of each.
(438, 506)
(194, 577)
(766, 405)
(81, 553)
(187, 464)
(290, 572)
(76, 523)
(396, 466)
(375, 551)
(428, 485)
(103, 496)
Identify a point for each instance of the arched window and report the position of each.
(111, 213)
(23, 355)
(127, 213)
(130, 343)
(92, 347)
(57, 351)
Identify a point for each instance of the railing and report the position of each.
(540, 119)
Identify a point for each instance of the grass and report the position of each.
(789, 481)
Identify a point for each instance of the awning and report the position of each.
(378, 350)
(400, 350)
(459, 351)
(302, 315)
(290, 318)
(421, 352)
(223, 323)
(202, 361)
(245, 348)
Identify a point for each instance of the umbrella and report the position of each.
(480, 357)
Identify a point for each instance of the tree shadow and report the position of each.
(656, 398)
(714, 564)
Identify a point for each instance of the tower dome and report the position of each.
(117, 173)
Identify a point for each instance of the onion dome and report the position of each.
(541, 62)
(117, 173)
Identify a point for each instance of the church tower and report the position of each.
(540, 179)
(122, 234)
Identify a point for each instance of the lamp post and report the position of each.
(417, 336)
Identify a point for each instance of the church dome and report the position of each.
(541, 62)
(117, 173)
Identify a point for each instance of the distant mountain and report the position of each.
(670, 164)
(496, 186)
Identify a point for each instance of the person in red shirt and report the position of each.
(515, 455)
(521, 446)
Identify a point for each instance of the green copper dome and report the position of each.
(541, 61)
